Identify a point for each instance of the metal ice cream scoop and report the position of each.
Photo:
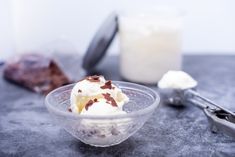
(221, 118)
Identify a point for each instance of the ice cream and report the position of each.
(96, 96)
(177, 80)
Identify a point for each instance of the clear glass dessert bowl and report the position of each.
(108, 130)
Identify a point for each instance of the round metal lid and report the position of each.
(100, 42)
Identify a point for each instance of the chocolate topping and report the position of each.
(88, 104)
(94, 78)
(108, 85)
(79, 91)
(110, 99)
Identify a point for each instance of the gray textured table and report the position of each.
(26, 128)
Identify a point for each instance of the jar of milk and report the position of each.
(150, 43)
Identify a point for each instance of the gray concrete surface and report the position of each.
(26, 128)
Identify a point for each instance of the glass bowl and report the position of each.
(103, 131)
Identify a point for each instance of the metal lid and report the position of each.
(100, 42)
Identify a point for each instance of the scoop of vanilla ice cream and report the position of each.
(177, 80)
(94, 87)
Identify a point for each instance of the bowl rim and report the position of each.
(140, 112)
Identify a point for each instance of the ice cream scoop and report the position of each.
(94, 95)
(178, 88)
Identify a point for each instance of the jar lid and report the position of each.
(100, 42)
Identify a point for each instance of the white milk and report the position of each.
(150, 45)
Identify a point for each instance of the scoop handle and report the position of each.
(203, 102)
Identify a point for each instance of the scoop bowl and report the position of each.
(107, 130)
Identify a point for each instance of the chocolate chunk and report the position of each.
(35, 72)
(69, 109)
(94, 78)
(88, 104)
(95, 100)
(110, 99)
(115, 132)
(79, 91)
(107, 85)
